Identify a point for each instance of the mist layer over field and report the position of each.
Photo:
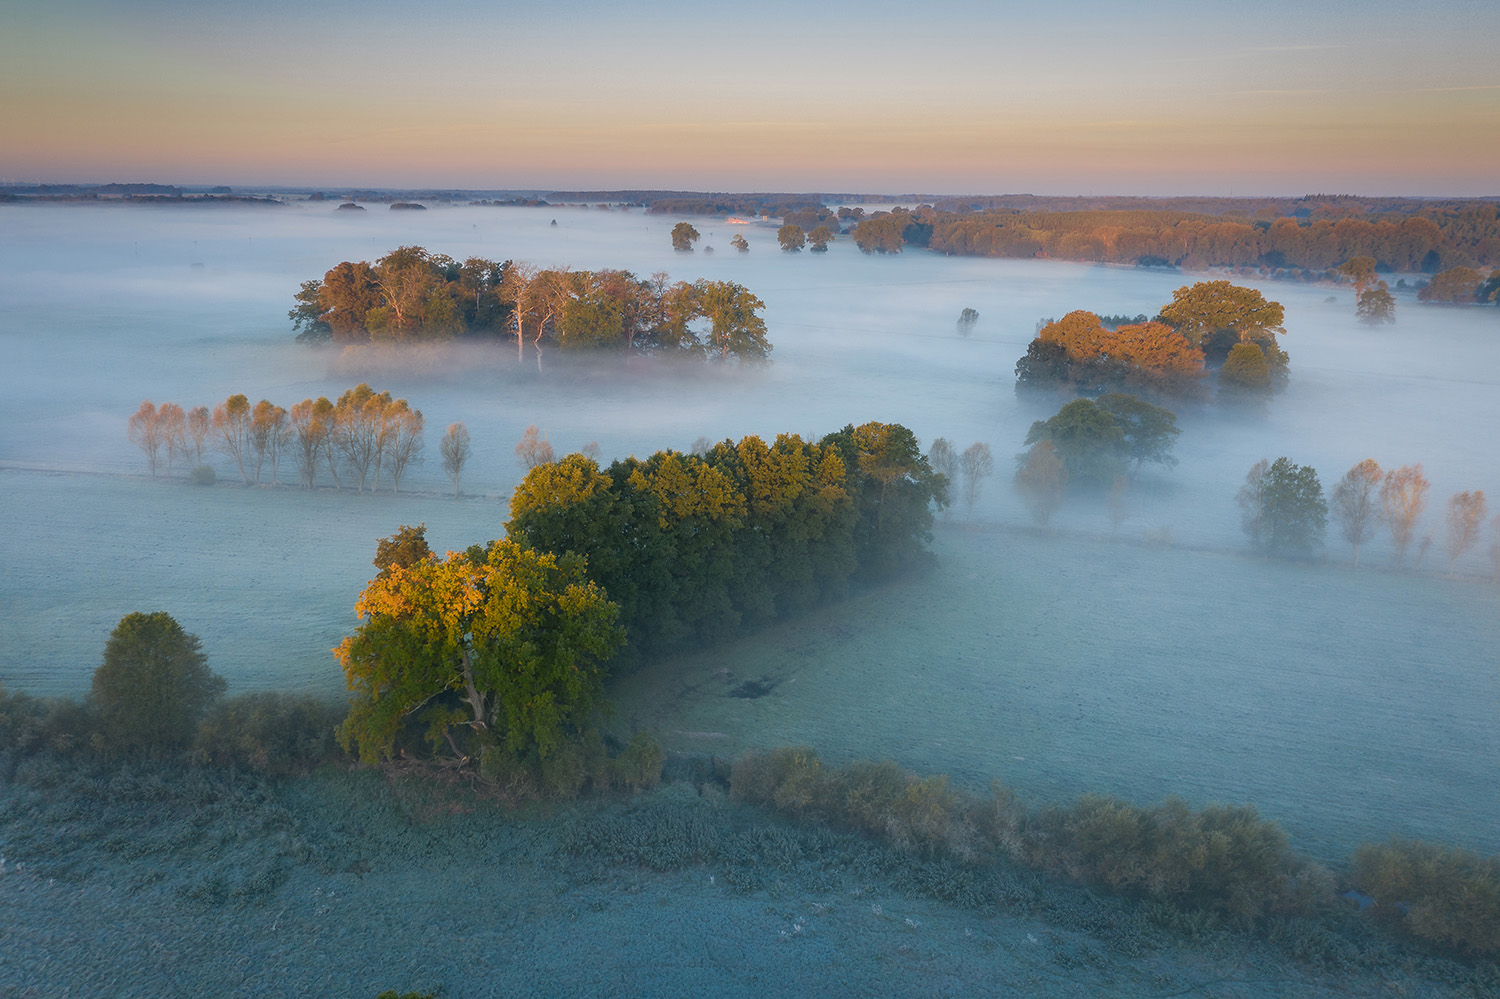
(1346, 704)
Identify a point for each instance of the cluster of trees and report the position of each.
(1284, 511)
(1093, 445)
(695, 547)
(509, 643)
(965, 470)
(1461, 286)
(1208, 327)
(364, 434)
(412, 296)
(792, 238)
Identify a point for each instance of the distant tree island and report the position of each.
(411, 296)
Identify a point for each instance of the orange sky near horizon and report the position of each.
(1162, 103)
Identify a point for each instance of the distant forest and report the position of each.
(413, 296)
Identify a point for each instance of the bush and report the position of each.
(269, 733)
(1448, 896)
(203, 475)
(31, 725)
(638, 766)
(153, 685)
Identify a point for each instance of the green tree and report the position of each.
(1286, 502)
(307, 316)
(1354, 505)
(1216, 315)
(1150, 431)
(820, 237)
(683, 237)
(520, 638)
(966, 321)
(153, 685)
(402, 550)
(740, 243)
(1375, 305)
(880, 233)
(1089, 439)
(791, 238)
(943, 458)
(736, 329)
(1246, 373)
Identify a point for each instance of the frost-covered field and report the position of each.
(1345, 704)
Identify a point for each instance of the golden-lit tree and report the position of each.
(1403, 497)
(144, 431)
(1466, 513)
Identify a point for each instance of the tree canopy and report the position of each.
(153, 685)
(519, 638)
(1283, 507)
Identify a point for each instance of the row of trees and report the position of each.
(1285, 512)
(1209, 327)
(364, 434)
(412, 296)
(513, 640)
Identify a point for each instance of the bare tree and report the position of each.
(1252, 500)
(701, 446)
(590, 451)
(199, 422)
(402, 441)
(1354, 505)
(1117, 509)
(518, 287)
(1403, 497)
(232, 425)
(357, 430)
(1466, 512)
(944, 461)
(173, 432)
(534, 449)
(309, 434)
(455, 448)
(977, 464)
(144, 430)
(281, 441)
(1041, 480)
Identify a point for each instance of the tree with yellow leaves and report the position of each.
(504, 640)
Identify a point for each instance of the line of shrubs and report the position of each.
(1226, 861)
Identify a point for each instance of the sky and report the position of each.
(951, 96)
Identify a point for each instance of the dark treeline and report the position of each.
(1426, 237)
(412, 296)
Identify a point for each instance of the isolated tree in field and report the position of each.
(173, 432)
(402, 439)
(1454, 286)
(1089, 439)
(791, 238)
(683, 237)
(1466, 512)
(517, 637)
(1042, 480)
(820, 237)
(1403, 497)
(1359, 271)
(144, 430)
(944, 460)
(966, 321)
(1150, 431)
(153, 685)
(1355, 504)
(1285, 513)
(534, 449)
(740, 243)
(231, 420)
(455, 449)
(1376, 305)
(977, 464)
(200, 423)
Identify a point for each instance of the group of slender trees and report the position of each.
(965, 470)
(1284, 511)
(1210, 328)
(413, 296)
(360, 437)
